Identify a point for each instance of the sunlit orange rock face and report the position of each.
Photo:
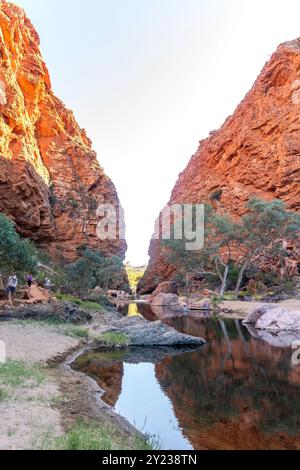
(50, 180)
(255, 153)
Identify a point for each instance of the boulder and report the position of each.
(38, 294)
(274, 318)
(258, 312)
(167, 287)
(144, 333)
(165, 300)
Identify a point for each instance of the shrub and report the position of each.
(113, 340)
(94, 306)
(77, 332)
(16, 254)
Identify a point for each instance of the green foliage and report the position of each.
(258, 234)
(16, 254)
(93, 436)
(4, 395)
(81, 303)
(261, 232)
(52, 200)
(93, 204)
(94, 269)
(146, 442)
(16, 373)
(215, 258)
(111, 340)
(77, 332)
(73, 203)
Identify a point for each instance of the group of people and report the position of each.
(12, 284)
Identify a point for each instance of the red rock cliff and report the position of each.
(256, 152)
(50, 180)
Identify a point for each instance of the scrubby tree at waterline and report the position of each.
(16, 254)
(242, 244)
(94, 269)
(262, 232)
(216, 256)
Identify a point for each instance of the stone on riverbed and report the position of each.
(144, 333)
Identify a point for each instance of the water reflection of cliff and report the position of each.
(237, 393)
(108, 374)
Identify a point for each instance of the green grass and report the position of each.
(16, 373)
(91, 306)
(67, 329)
(92, 436)
(77, 332)
(146, 442)
(3, 395)
(111, 339)
(81, 436)
(95, 307)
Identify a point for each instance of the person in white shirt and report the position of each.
(12, 285)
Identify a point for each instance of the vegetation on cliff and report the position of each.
(232, 248)
(16, 254)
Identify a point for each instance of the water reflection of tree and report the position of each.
(206, 388)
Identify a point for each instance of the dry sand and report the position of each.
(34, 343)
(28, 415)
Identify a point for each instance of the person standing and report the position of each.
(12, 284)
(29, 280)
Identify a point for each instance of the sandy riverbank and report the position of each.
(40, 397)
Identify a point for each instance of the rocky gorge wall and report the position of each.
(50, 180)
(255, 153)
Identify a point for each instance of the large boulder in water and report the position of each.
(165, 300)
(144, 333)
(254, 316)
(274, 318)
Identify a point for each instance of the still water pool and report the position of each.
(237, 392)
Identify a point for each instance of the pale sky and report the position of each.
(148, 79)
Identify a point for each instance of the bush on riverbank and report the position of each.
(238, 250)
(94, 306)
(113, 340)
(16, 254)
(94, 437)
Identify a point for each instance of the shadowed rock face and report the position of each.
(50, 180)
(256, 152)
